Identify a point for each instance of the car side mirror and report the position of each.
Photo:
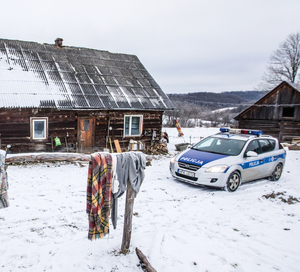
(251, 154)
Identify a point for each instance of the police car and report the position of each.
(229, 158)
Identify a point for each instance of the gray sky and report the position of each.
(186, 45)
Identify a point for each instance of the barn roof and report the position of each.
(261, 100)
(34, 75)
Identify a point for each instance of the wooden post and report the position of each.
(52, 144)
(130, 194)
(281, 132)
(107, 136)
(66, 144)
(111, 148)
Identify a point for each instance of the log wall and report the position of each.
(285, 131)
(15, 128)
(151, 121)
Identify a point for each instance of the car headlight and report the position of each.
(217, 169)
(173, 159)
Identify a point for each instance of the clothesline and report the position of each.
(119, 172)
(106, 171)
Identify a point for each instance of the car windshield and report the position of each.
(224, 146)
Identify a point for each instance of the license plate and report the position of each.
(187, 173)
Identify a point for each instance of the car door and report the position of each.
(267, 154)
(252, 166)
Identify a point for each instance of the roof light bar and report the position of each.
(242, 131)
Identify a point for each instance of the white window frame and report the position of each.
(130, 123)
(32, 121)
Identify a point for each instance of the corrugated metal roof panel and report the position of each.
(41, 75)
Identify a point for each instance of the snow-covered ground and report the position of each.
(178, 227)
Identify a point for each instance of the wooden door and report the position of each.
(86, 134)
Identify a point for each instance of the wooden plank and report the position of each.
(117, 145)
(296, 140)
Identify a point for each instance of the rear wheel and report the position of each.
(276, 173)
(233, 182)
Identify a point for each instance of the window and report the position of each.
(267, 145)
(288, 112)
(253, 146)
(133, 125)
(86, 125)
(206, 144)
(226, 146)
(39, 128)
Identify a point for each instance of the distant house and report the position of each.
(85, 97)
(276, 114)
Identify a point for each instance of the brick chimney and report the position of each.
(58, 43)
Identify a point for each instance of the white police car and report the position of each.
(229, 158)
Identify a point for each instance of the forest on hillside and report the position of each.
(209, 109)
(219, 100)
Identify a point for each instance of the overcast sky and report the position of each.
(186, 45)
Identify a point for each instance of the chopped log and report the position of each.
(51, 157)
(144, 262)
(70, 157)
(157, 148)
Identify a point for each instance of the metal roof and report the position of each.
(34, 75)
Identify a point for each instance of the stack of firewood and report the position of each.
(156, 149)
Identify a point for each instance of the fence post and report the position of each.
(130, 195)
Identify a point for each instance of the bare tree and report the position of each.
(226, 118)
(187, 114)
(214, 117)
(284, 63)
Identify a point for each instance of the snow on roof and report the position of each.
(34, 75)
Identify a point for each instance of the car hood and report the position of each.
(200, 157)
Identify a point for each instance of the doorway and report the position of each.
(86, 134)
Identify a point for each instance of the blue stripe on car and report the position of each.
(261, 161)
(199, 157)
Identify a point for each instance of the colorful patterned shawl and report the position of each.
(99, 195)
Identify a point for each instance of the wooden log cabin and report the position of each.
(86, 98)
(276, 114)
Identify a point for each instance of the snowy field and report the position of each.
(178, 227)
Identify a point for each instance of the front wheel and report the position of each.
(233, 182)
(276, 173)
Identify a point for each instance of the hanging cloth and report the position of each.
(130, 167)
(136, 170)
(99, 194)
(3, 182)
(122, 176)
(115, 181)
